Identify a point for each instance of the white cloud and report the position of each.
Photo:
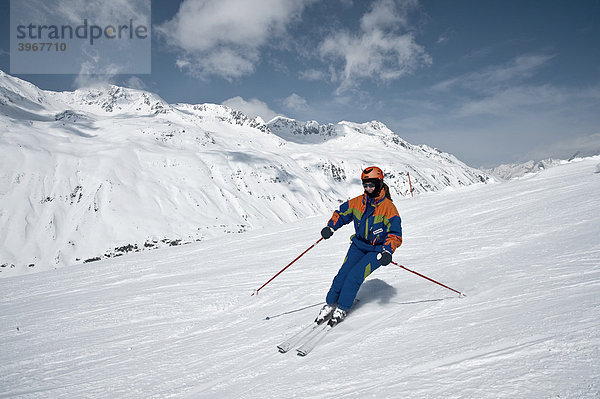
(445, 37)
(75, 11)
(520, 68)
(503, 90)
(225, 37)
(91, 75)
(135, 82)
(585, 145)
(382, 49)
(104, 12)
(491, 78)
(442, 39)
(312, 74)
(253, 108)
(513, 100)
(388, 14)
(295, 102)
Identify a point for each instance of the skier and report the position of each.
(378, 233)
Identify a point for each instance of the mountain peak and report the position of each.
(302, 132)
(109, 98)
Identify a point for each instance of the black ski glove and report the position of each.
(384, 258)
(326, 232)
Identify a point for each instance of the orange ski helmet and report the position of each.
(372, 172)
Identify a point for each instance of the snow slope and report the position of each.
(512, 171)
(100, 172)
(180, 322)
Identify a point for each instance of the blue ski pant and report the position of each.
(356, 268)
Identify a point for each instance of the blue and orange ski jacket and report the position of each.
(376, 221)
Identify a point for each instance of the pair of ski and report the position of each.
(307, 338)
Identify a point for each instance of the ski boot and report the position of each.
(338, 316)
(324, 313)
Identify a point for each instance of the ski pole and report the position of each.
(288, 265)
(430, 279)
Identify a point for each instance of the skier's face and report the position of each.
(372, 187)
(369, 187)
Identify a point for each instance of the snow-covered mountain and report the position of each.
(103, 171)
(512, 171)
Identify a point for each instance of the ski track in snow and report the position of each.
(180, 322)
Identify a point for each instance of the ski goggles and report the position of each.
(369, 185)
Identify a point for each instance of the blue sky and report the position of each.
(489, 81)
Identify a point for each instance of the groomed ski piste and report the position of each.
(181, 323)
